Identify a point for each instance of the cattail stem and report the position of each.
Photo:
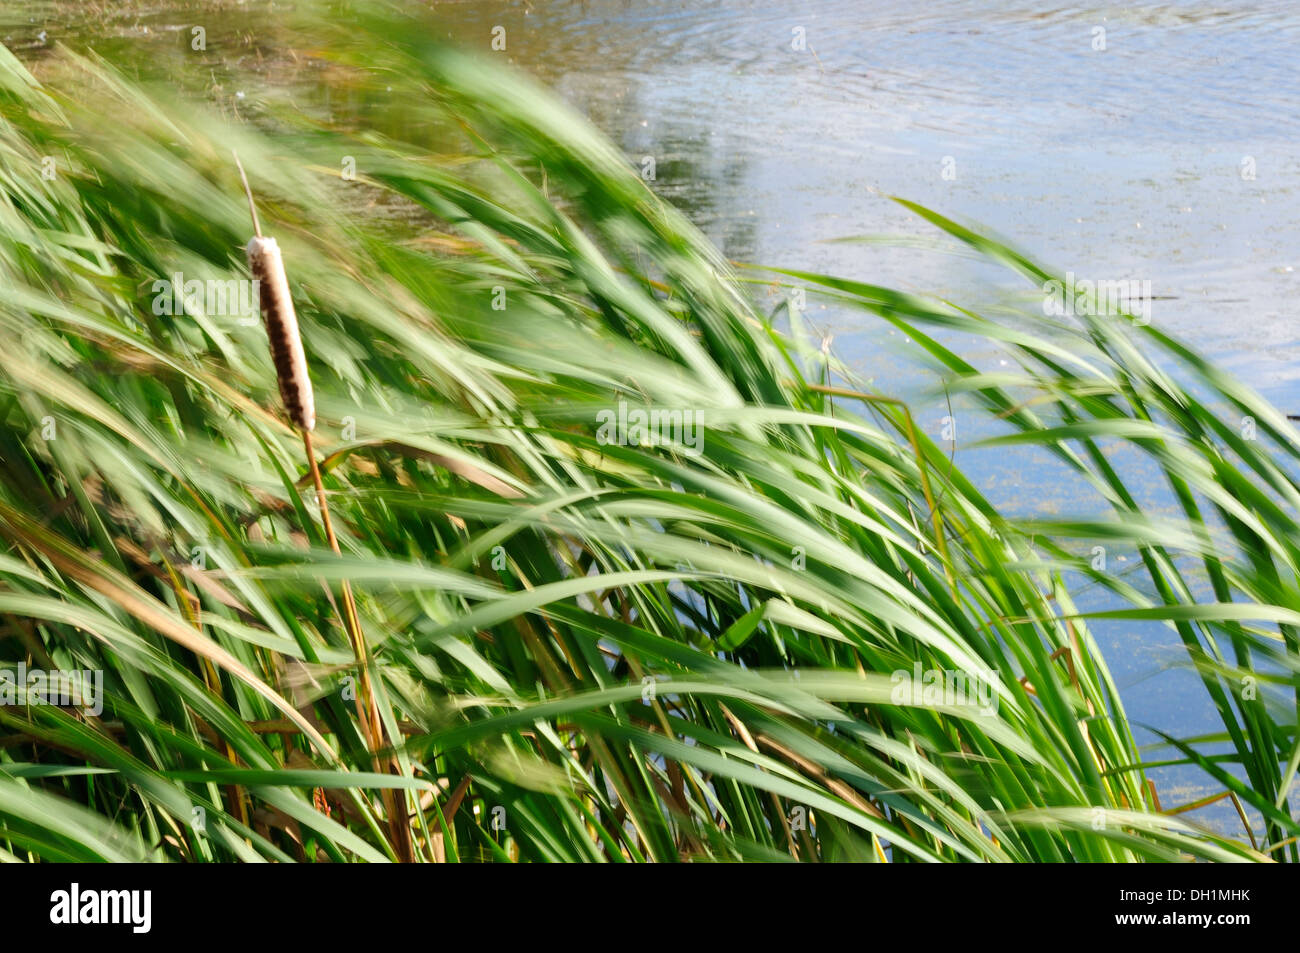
(372, 727)
(290, 361)
(252, 206)
(367, 710)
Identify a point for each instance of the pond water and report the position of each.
(1150, 141)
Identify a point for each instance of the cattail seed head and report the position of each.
(265, 263)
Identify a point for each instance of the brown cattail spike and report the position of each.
(282, 329)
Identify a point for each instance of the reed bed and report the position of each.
(569, 649)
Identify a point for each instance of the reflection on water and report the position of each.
(1155, 142)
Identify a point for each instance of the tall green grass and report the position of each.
(593, 652)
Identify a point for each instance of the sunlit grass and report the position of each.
(591, 651)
